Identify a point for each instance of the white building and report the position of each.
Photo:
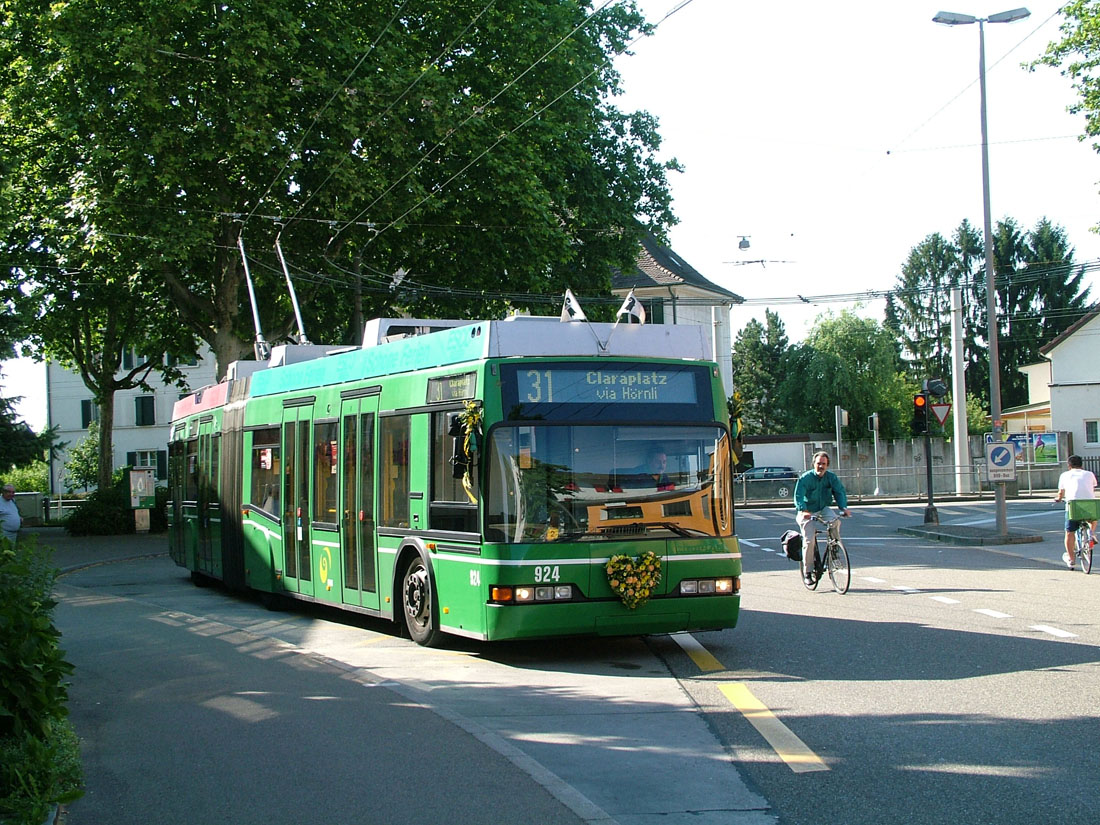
(141, 418)
(673, 292)
(1075, 384)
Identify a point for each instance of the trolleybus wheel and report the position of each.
(419, 603)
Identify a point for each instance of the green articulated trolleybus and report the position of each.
(508, 479)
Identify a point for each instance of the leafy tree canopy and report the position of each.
(1040, 292)
(471, 146)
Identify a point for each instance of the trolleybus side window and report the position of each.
(265, 470)
(394, 479)
(191, 475)
(324, 472)
(452, 507)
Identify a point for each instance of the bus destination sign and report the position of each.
(569, 385)
(452, 387)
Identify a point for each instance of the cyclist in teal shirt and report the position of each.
(814, 493)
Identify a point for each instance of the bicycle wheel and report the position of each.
(1084, 549)
(840, 573)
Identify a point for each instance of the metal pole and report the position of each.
(878, 489)
(991, 292)
(958, 394)
(931, 515)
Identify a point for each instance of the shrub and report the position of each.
(32, 668)
(37, 773)
(39, 754)
(103, 513)
(158, 516)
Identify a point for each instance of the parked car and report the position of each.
(769, 482)
(757, 473)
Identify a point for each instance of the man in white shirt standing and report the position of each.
(1074, 484)
(10, 520)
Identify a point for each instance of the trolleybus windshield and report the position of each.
(597, 482)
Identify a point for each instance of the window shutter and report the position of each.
(85, 413)
(162, 465)
(131, 459)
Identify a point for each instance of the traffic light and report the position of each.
(935, 387)
(920, 413)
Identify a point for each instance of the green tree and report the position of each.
(1078, 56)
(473, 146)
(1039, 294)
(83, 464)
(848, 361)
(758, 352)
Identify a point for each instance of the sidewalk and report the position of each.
(75, 552)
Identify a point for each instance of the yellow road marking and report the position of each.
(702, 657)
(790, 748)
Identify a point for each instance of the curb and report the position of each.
(970, 536)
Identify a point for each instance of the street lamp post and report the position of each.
(952, 19)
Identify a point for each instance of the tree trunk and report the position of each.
(227, 348)
(106, 439)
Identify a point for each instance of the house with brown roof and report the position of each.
(673, 292)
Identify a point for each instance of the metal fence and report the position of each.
(908, 482)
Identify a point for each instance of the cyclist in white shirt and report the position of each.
(1075, 483)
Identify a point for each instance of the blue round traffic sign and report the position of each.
(1000, 456)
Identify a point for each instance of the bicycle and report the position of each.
(1083, 511)
(835, 559)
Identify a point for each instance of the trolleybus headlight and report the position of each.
(528, 593)
(709, 587)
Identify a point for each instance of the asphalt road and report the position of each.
(951, 684)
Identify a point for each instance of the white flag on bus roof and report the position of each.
(571, 309)
(632, 308)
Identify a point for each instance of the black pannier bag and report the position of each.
(792, 544)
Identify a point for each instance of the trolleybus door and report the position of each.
(297, 459)
(357, 524)
(209, 556)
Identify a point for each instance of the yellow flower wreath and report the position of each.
(634, 579)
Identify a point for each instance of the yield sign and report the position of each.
(940, 411)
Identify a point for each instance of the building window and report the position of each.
(145, 411)
(157, 459)
(654, 311)
(1092, 433)
(89, 412)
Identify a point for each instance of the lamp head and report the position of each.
(1009, 16)
(950, 18)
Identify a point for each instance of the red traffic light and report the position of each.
(920, 402)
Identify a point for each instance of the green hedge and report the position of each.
(39, 752)
(108, 513)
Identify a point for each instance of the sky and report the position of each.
(835, 138)
(838, 136)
